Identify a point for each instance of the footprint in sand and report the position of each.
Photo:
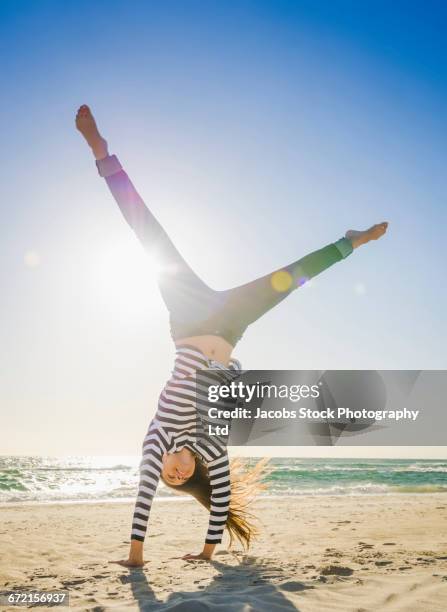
(69, 583)
(382, 563)
(425, 560)
(391, 597)
(104, 575)
(332, 552)
(336, 570)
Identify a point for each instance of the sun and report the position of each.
(124, 279)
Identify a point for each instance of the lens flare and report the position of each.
(31, 259)
(281, 281)
(360, 289)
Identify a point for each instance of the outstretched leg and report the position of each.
(184, 293)
(245, 304)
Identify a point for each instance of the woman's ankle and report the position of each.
(100, 149)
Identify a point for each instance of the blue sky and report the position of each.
(257, 132)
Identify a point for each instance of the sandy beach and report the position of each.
(360, 554)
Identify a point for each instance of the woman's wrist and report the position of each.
(136, 550)
(208, 550)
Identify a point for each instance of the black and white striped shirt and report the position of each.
(180, 421)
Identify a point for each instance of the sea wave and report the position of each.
(76, 479)
(84, 469)
(440, 469)
(361, 489)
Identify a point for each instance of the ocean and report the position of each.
(80, 479)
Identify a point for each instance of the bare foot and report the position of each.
(373, 233)
(86, 124)
(129, 563)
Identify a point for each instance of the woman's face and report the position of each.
(178, 467)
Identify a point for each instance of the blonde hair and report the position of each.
(246, 484)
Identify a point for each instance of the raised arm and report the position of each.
(154, 445)
(150, 469)
(219, 473)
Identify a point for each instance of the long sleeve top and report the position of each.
(180, 422)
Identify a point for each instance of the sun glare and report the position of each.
(124, 279)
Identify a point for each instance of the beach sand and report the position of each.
(315, 554)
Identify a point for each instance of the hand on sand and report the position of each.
(199, 557)
(129, 563)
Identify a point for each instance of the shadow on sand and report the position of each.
(222, 593)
